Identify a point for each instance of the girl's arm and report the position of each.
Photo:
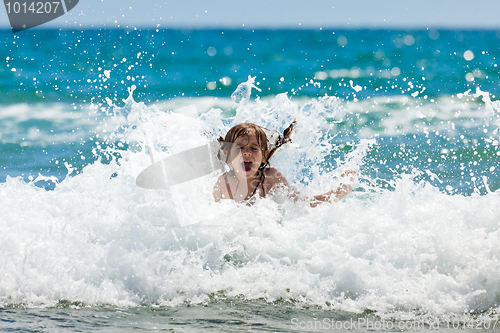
(277, 179)
(341, 192)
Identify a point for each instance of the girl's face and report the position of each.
(246, 156)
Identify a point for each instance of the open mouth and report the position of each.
(247, 166)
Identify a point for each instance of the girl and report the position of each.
(248, 151)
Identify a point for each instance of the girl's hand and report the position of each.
(348, 176)
(347, 179)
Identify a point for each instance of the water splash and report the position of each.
(99, 239)
(244, 90)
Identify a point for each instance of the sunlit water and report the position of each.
(83, 247)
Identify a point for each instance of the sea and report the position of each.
(414, 247)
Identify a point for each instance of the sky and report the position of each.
(276, 14)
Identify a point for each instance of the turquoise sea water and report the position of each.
(414, 112)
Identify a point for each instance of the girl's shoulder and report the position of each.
(220, 187)
(274, 177)
(269, 172)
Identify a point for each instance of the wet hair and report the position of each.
(269, 141)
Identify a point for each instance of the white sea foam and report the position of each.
(99, 239)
